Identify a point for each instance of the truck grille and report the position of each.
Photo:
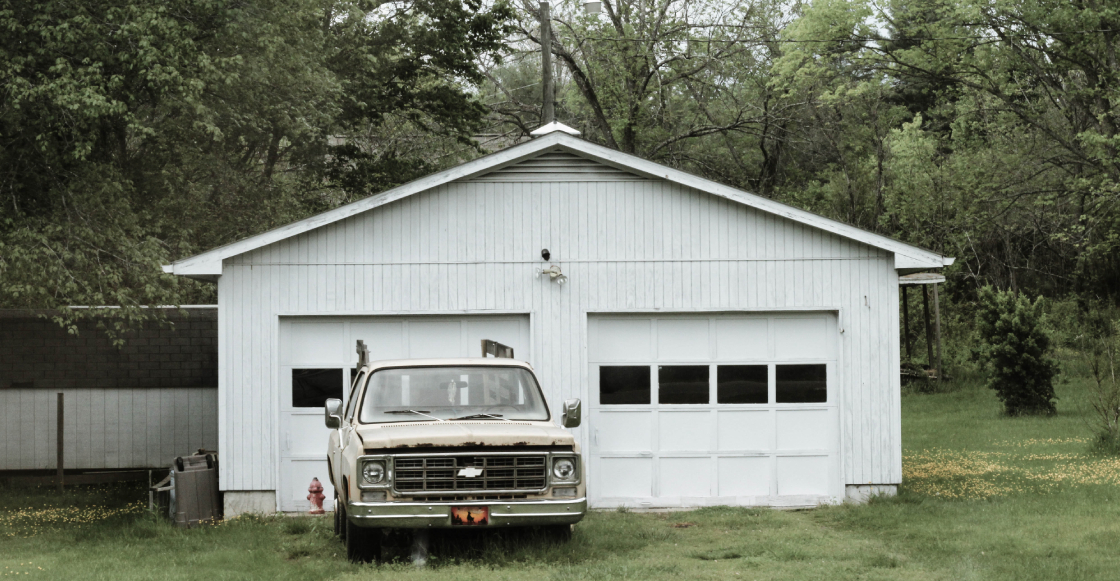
(415, 474)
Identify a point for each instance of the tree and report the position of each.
(1045, 75)
(133, 132)
(848, 113)
(1015, 349)
(647, 78)
(982, 129)
(408, 68)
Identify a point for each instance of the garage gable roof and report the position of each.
(208, 265)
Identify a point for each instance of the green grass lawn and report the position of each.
(985, 497)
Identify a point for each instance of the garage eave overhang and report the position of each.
(908, 258)
(906, 264)
(208, 271)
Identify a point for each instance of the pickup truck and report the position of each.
(450, 443)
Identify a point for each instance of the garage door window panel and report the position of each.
(683, 384)
(742, 384)
(311, 388)
(624, 384)
(801, 383)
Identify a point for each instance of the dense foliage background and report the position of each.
(134, 132)
(984, 130)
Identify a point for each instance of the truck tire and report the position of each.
(338, 518)
(362, 545)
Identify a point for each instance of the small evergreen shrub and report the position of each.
(1015, 350)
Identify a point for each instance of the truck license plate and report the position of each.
(470, 515)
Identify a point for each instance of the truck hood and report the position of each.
(472, 433)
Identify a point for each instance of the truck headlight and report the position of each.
(564, 469)
(373, 472)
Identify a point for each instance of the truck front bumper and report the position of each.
(438, 514)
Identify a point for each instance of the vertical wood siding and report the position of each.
(624, 245)
(105, 427)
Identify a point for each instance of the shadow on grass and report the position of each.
(596, 537)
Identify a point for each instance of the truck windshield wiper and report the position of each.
(479, 416)
(417, 412)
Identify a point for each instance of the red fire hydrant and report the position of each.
(316, 497)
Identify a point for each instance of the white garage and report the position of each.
(728, 349)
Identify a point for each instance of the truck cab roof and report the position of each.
(449, 362)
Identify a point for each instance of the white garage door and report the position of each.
(727, 409)
(317, 359)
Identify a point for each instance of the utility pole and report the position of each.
(548, 113)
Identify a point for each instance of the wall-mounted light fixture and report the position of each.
(553, 273)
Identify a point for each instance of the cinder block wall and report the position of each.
(136, 406)
(37, 353)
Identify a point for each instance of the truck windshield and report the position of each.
(411, 394)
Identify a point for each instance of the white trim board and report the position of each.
(208, 265)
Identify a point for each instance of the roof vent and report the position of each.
(554, 126)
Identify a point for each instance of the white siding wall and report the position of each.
(626, 246)
(106, 428)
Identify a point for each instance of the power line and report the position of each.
(510, 91)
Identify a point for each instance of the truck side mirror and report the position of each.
(572, 415)
(333, 411)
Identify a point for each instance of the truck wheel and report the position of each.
(337, 517)
(362, 545)
(557, 533)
